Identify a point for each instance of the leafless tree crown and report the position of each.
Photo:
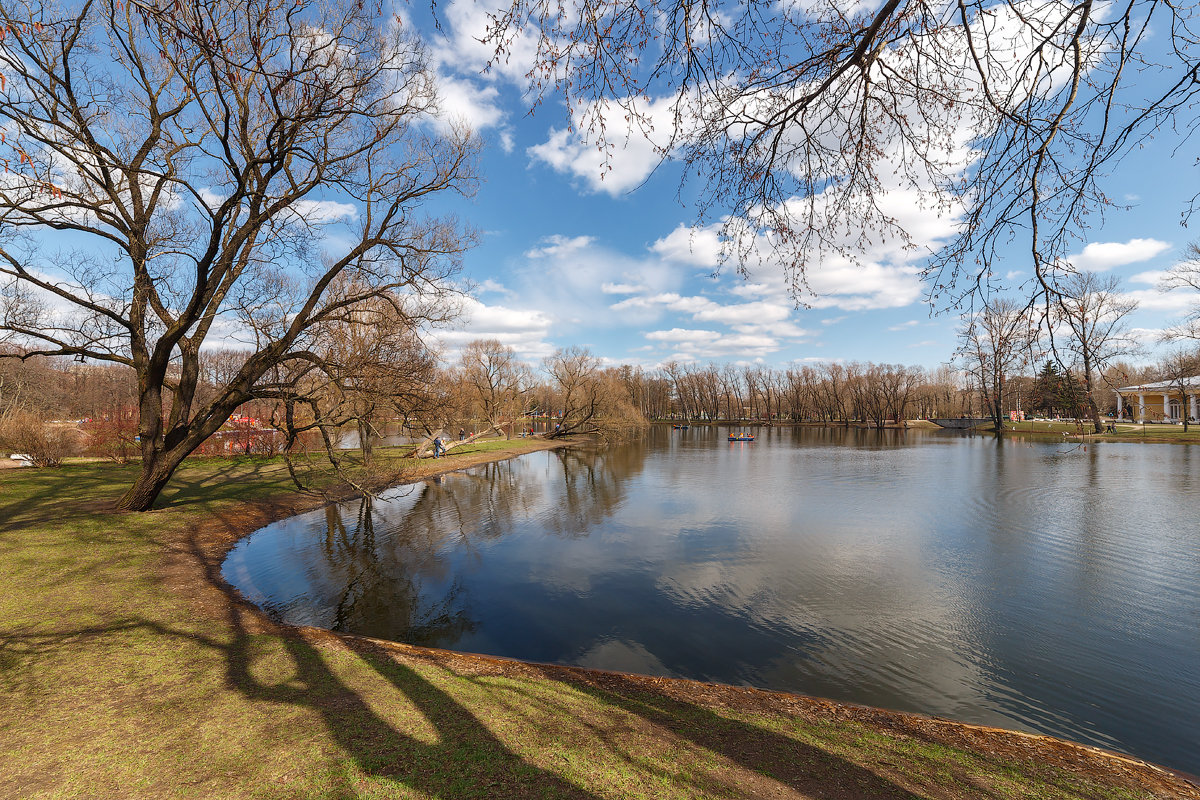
(812, 124)
(171, 169)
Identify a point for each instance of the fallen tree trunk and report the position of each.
(425, 448)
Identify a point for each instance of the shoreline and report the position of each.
(210, 548)
(1151, 433)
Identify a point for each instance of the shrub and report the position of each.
(45, 445)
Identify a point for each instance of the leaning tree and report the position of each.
(249, 171)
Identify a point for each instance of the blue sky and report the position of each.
(568, 257)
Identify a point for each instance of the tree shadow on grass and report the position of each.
(469, 760)
(804, 768)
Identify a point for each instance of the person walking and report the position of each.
(439, 449)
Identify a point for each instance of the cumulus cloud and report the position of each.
(1150, 276)
(1174, 302)
(1102, 256)
(525, 330)
(886, 274)
(633, 149)
(466, 101)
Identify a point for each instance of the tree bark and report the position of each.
(1093, 409)
(156, 472)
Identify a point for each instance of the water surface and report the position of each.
(1031, 585)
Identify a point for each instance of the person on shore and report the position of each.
(438, 448)
(462, 434)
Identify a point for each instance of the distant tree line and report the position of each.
(389, 382)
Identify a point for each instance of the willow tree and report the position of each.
(817, 128)
(178, 172)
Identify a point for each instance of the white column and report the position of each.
(1166, 406)
(1120, 407)
(1141, 407)
(1192, 406)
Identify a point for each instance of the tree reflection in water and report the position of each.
(396, 564)
(386, 586)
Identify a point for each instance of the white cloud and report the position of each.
(622, 288)
(524, 330)
(760, 312)
(713, 345)
(490, 285)
(557, 246)
(1150, 276)
(1101, 256)
(1174, 302)
(462, 100)
(634, 148)
(783, 330)
(912, 323)
(676, 335)
(687, 245)
(884, 275)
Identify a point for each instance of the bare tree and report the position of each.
(801, 118)
(1185, 275)
(993, 343)
(591, 399)
(201, 150)
(1094, 311)
(1179, 371)
(497, 381)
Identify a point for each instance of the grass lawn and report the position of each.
(127, 669)
(1125, 431)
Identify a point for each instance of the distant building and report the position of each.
(1159, 402)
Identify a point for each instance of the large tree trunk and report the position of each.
(156, 472)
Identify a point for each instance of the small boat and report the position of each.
(680, 427)
(741, 437)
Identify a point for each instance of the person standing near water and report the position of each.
(439, 449)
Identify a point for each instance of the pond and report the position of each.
(1035, 585)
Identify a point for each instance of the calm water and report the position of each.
(1029, 585)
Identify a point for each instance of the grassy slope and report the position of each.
(121, 676)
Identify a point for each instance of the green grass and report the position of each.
(120, 677)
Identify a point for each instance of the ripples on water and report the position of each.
(1024, 584)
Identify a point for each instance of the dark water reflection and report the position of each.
(1023, 584)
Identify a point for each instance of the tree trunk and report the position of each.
(997, 407)
(1093, 409)
(156, 472)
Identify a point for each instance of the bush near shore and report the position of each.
(128, 669)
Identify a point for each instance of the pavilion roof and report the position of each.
(1161, 386)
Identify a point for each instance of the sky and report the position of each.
(576, 251)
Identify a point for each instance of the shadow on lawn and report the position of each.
(469, 760)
